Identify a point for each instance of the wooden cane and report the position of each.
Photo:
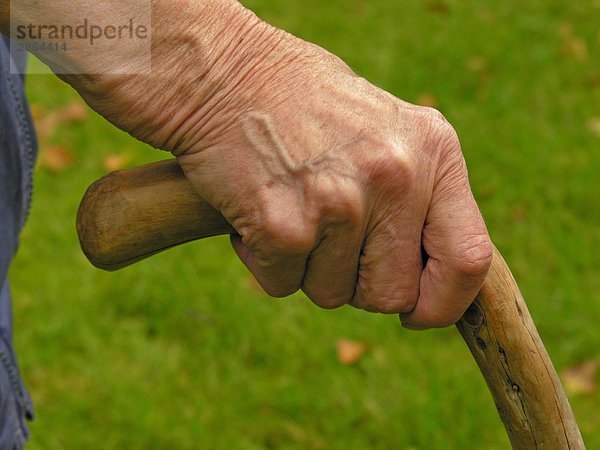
(132, 214)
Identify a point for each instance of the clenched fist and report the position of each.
(334, 186)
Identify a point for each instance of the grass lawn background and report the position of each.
(183, 352)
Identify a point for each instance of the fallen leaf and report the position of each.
(37, 111)
(75, 111)
(574, 47)
(581, 379)
(594, 126)
(56, 158)
(519, 212)
(45, 124)
(593, 80)
(117, 161)
(487, 191)
(359, 8)
(349, 352)
(438, 7)
(427, 99)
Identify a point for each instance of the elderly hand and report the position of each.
(334, 186)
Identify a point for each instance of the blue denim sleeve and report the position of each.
(18, 148)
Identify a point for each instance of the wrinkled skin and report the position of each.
(334, 186)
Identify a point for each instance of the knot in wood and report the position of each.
(473, 316)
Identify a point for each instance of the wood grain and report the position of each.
(135, 213)
(517, 369)
(132, 214)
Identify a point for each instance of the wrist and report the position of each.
(218, 66)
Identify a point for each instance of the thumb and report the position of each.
(460, 252)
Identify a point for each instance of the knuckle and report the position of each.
(474, 256)
(283, 234)
(340, 200)
(448, 145)
(439, 134)
(435, 116)
(449, 152)
(391, 169)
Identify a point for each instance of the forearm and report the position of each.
(201, 51)
(116, 49)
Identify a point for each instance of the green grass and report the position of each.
(180, 351)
